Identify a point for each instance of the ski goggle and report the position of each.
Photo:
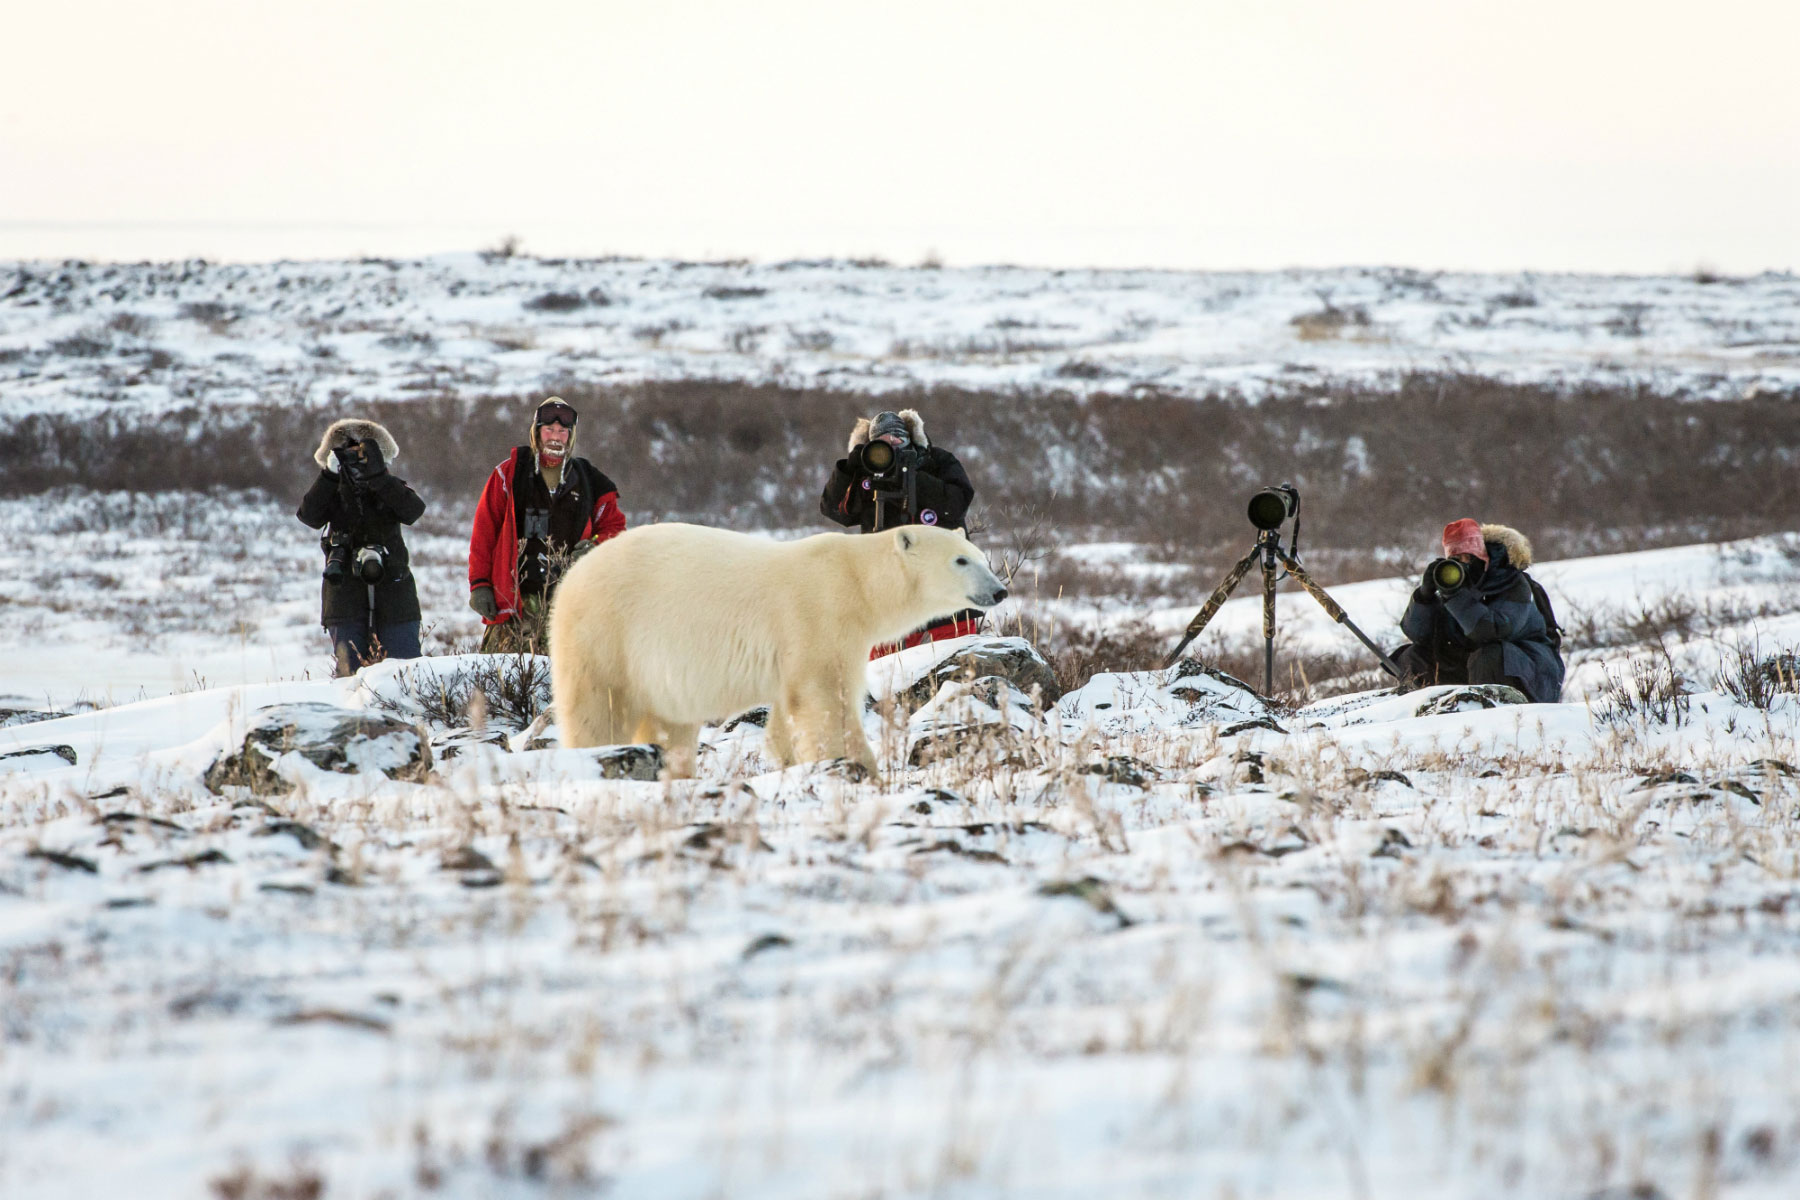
(556, 414)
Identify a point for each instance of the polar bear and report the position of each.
(667, 627)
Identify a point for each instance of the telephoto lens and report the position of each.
(1447, 574)
(369, 564)
(877, 457)
(1270, 507)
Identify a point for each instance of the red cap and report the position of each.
(1464, 537)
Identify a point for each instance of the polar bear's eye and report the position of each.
(962, 562)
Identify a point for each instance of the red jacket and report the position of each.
(493, 546)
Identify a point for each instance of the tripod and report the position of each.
(907, 494)
(1268, 548)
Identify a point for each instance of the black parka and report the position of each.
(372, 513)
(941, 487)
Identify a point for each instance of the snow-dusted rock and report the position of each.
(642, 763)
(346, 741)
(988, 716)
(35, 758)
(1469, 698)
(1011, 658)
(446, 746)
(1184, 696)
(27, 716)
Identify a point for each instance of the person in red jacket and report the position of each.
(541, 509)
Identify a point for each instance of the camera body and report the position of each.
(888, 474)
(345, 559)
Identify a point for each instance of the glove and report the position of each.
(483, 602)
(580, 548)
(365, 462)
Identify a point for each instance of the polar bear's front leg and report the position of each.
(681, 751)
(825, 723)
(778, 737)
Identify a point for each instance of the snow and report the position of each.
(1157, 939)
(1348, 951)
(159, 336)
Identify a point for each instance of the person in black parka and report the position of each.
(1493, 628)
(357, 499)
(941, 487)
(940, 494)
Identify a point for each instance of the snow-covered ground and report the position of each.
(1159, 940)
(1151, 944)
(157, 335)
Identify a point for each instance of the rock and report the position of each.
(768, 941)
(1122, 768)
(844, 768)
(989, 717)
(308, 837)
(1090, 891)
(68, 862)
(1472, 698)
(467, 858)
(1247, 767)
(344, 741)
(27, 716)
(1363, 777)
(1392, 843)
(190, 861)
(712, 835)
(1661, 778)
(1185, 696)
(1013, 659)
(644, 763)
(1246, 726)
(758, 716)
(38, 757)
(1736, 788)
(449, 745)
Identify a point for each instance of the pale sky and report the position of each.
(1629, 137)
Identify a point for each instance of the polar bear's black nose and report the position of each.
(999, 595)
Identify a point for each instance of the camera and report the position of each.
(879, 460)
(1273, 506)
(345, 559)
(1447, 574)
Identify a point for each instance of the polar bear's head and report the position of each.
(947, 570)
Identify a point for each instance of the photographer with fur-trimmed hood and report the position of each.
(922, 485)
(1477, 617)
(361, 507)
(541, 509)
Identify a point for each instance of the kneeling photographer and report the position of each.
(369, 601)
(1477, 617)
(892, 475)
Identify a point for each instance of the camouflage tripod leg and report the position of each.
(1335, 611)
(1215, 602)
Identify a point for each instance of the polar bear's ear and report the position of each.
(905, 539)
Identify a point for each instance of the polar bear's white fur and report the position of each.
(667, 627)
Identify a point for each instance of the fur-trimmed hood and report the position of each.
(1518, 546)
(915, 427)
(537, 446)
(356, 430)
